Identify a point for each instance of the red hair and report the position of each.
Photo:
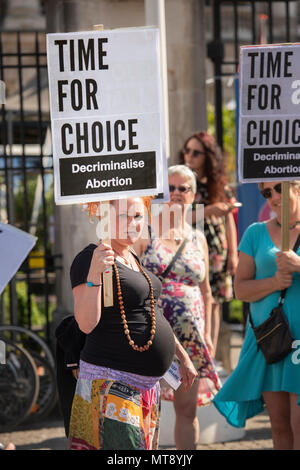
(92, 207)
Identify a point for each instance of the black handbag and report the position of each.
(273, 336)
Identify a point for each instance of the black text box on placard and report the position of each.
(271, 163)
(93, 175)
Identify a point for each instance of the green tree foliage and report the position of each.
(22, 306)
(23, 207)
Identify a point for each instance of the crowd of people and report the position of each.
(170, 280)
(202, 154)
(186, 298)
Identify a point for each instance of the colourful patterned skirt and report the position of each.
(114, 410)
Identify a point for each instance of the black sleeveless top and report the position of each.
(107, 344)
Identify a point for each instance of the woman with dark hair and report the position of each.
(202, 154)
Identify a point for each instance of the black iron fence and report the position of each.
(26, 176)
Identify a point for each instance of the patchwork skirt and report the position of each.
(114, 410)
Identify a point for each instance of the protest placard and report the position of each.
(106, 114)
(269, 123)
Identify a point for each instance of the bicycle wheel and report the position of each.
(29, 340)
(19, 385)
(47, 397)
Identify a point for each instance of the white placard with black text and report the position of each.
(106, 114)
(269, 122)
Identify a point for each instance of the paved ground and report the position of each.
(49, 435)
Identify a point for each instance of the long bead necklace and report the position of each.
(123, 315)
(127, 262)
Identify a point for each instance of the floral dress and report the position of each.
(183, 306)
(215, 233)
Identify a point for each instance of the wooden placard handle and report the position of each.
(285, 216)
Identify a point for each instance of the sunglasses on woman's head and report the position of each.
(195, 153)
(181, 189)
(267, 192)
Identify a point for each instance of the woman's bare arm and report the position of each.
(186, 368)
(231, 238)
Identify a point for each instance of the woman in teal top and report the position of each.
(263, 271)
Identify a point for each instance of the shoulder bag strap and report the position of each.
(175, 257)
(297, 243)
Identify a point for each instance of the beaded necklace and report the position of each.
(123, 315)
